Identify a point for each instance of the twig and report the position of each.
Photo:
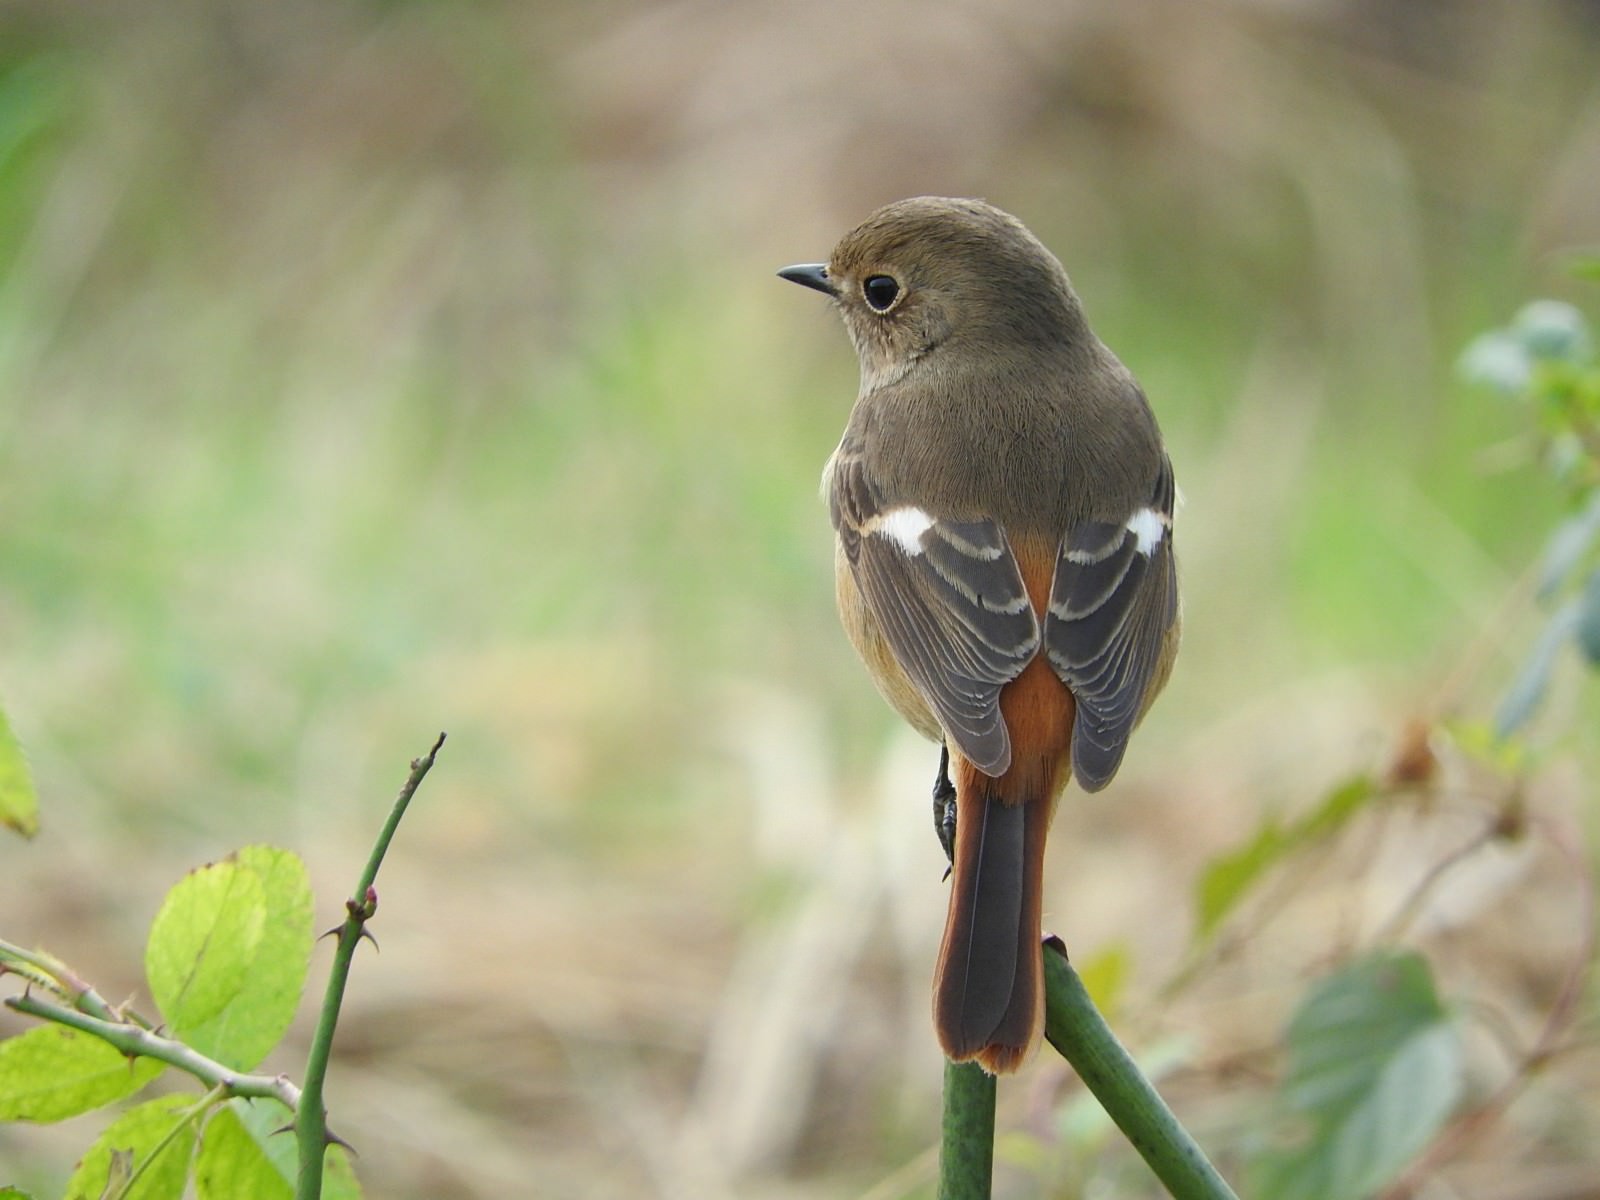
(1408, 908)
(1076, 1029)
(311, 1120)
(49, 972)
(136, 1041)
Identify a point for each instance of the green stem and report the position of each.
(137, 1042)
(1076, 1029)
(966, 1151)
(311, 1121)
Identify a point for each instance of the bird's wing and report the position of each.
(949, 599)
(1112, 602)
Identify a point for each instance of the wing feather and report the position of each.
(950, 600)
(1112, 601)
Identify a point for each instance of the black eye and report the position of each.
(881, 292)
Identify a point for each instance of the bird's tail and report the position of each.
(988, 994)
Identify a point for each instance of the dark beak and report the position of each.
(811, 275)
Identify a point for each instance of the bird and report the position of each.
(1002, 502)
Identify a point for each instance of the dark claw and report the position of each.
(944, 808)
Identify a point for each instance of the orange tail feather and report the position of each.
(988, 996)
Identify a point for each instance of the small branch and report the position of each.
(311, 1119)
(1075, 1028)
(966, 1152)
(1402, 917)
(137, 1042)
(47, 971)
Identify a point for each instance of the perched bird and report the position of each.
(1003, 507)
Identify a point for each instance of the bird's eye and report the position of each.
(881, 291)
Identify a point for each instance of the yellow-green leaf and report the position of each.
(154, 1141)
(243, 1154)
(19, 803)
(1105, 976)
(1228, 878)
(246, 1029)
(203, 942)
(232, 1164)
(51, 1073)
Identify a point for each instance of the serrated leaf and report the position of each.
(11, 1193)
(19, 803)
(203, 941)
(1375, 1069)
(243, 1154)
(157, 1137)
(51, 1073)
(1527, 691)
(1588, 631)
(257, 1017)
(1228, 878)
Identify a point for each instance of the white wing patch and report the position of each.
(904, 526)
(1148, 528)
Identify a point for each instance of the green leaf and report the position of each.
(257, 1017)
(1336, 809)
(203, 941)
(1374, 1069)
(244, 1154)
(19, 803)
(154, 1140)
(1528, 689)
(231, 1163)
(51, 1073)
(1228, 878)
(1589, 620)
(11, 1193)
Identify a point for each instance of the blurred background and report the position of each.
(372, 369)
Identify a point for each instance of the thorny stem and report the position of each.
(311, 1119)
(138, 1042)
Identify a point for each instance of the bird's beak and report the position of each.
(811, 275)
